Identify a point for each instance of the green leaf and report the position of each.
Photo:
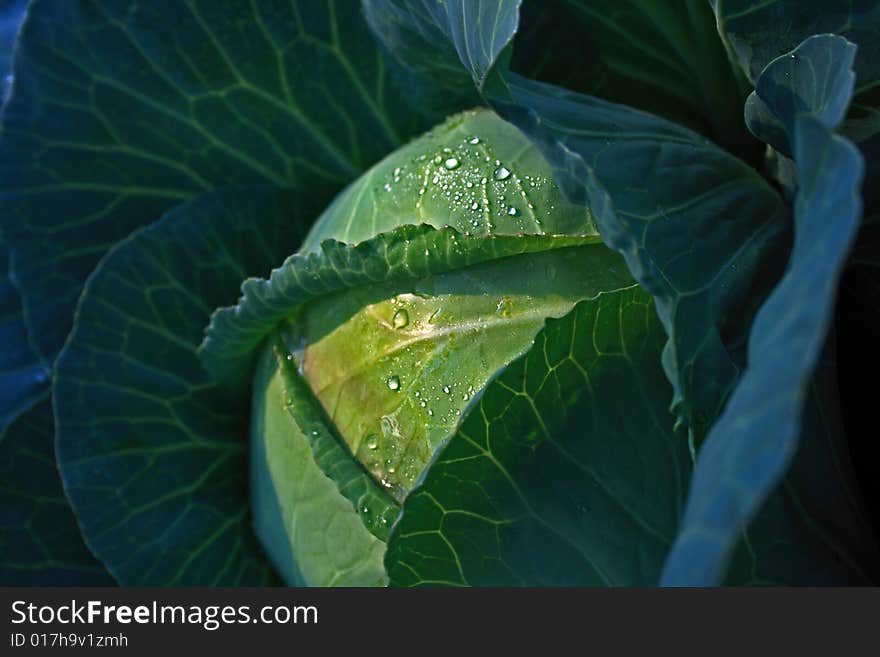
(474, 172)
(752, 444)
(303, 518)
(152, 452)
(395, 367)
(661, 56)
(122, 110)
(566, 472)
(407, 253)
(39, 537)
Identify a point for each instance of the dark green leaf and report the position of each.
(152, 453)
(752, 444)
(566, 472)
(122, 110)
(40, 541)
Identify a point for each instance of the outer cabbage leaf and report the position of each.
(152, 452)
(121, 110)
(751, 446)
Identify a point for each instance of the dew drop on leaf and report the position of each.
(501, 173)
(400, 319)
(394, 382)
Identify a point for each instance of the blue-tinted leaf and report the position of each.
(822, 87)
(11, 13)
(750, 447)
(40, 543)
(759, 31)
(122, 110)
(152, 452)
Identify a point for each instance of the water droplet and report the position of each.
(446, 389)
(474, 140)
(451, 163)
(394, 383)
(465, 397)
(386, 187)
(430, 412)
(512, 211)
(372, 441)
(423, 403)
(397, 171)
(469, 184)
(501, 173)
(400, 319)
(474, 205)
